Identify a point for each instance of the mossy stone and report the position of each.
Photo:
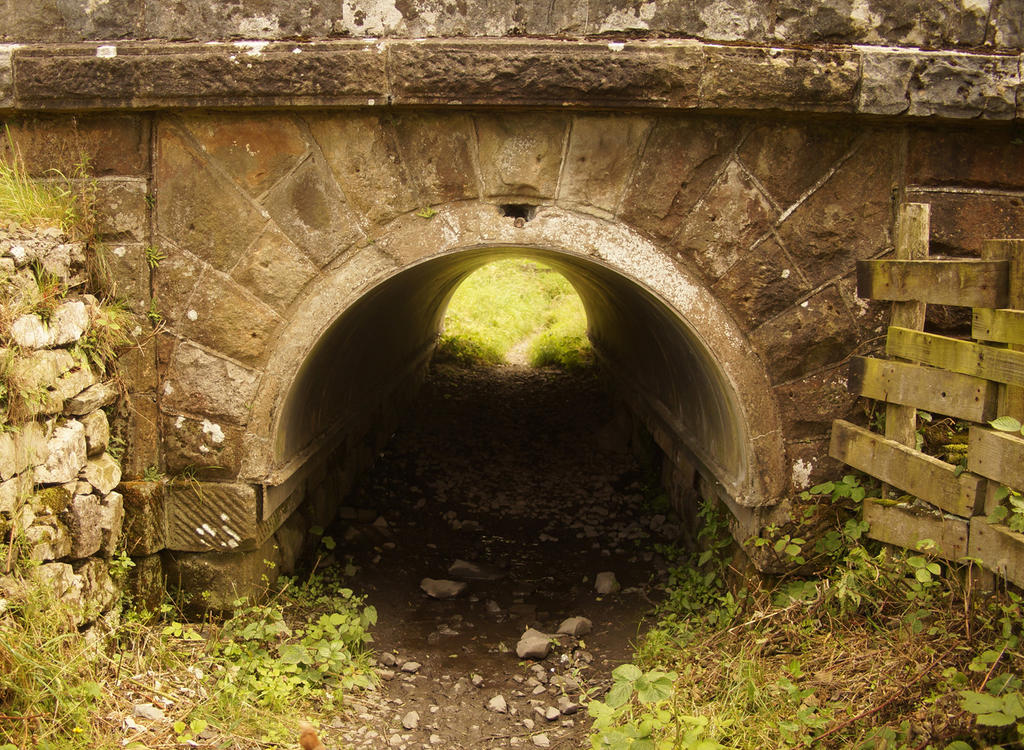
(55, 499)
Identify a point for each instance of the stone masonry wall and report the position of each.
(59, 510)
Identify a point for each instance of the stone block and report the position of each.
(810, 464)
(679, 162)
(728, 220)
(823, 234)
(21, 450)
(55, 21)
(202, 76)
(72, 386)
(438, 151)
(939, 84)
(111, 523)
(256, 150)
(173, 282)
(113, 144)
(128, 276)
(122, 209)
(603, 151)
(82, 517)
(274, 19)
(809, 336)
(962, 221)
(225, 317)
(274, 269)
(6, 77)
(47, 539)
(590, 74)
(212, 516)
(37, 369)
(98, 593)
(965, 158)
(520, 154)
(201, 383)
(103, 473)
(144, 584)
(761, 284)
(48, 501)
(138, 366)
(64, 455)
(809, 405)
(201, 445)
(362, 151)
(756, 78)
(69, 322)
(14, 492)
(92, 398)
(145, 517)
(312, 211)
(216, 580)
(137, 424)
(198, 209)
(29, 332)
(97, 432)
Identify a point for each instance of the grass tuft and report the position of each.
(37, 203)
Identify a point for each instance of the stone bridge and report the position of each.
(294, 203)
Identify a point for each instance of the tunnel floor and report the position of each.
(518, 471)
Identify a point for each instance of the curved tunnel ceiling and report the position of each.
(647, 347)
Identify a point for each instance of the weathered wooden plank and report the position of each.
(997, 455)
(969, 283)
(905, 527)
(928, 478)
(967, 357)
(928, 388)
(999, 549)
(1011, 397)
(1003, 326)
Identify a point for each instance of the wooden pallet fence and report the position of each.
(970, 380)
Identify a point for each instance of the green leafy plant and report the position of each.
(1007, 424)
(154, 256)
(1012, 513)
(426, 213)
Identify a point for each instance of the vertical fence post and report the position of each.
(913, 226)
(1011, 397)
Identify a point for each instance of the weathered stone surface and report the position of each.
(961, 222)
(144, 585)
(362, 152)
(757, 78)
(69, 321)
(47, 539)
(122, 211)
(201, 383)
(6, 77)
(214, 580)
(195, 19)
(92, 398)
(74, 386)
(51, 20)
(587, 74)
(606, 583)
(823, 234)
(173, 283)
(145, 517)
(924, 84)
(576, 627)
(253, 74)
(810, 463)
(199, 210)
(761, 284)
(14, 492)
(680, 161)
(533, 644)
(965, 157)
(103, 473)
(602, 153)
(97, 432)
(83, 521)
(141, 435)
(442, 589)
(226, 318)
(65, 454)
(520, 154)
(809, 405)
(311, 209)
(114, 144)
(787, 159)
(256, 150)
(438, 153)
(111, 522)
(815, 333)
(21, 450)
(98, 590)
(193, 444)
(727, 221)
(274, 269)
(38, 369)
(212, 516)
(29, 332)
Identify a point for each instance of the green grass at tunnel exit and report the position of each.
(516, 304)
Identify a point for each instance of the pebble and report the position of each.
(575, 626)
(533, 645)
(148, 711)
(498, 705)
(412, 667)
(411, 720)
(439, 588)
(541, 740)
(606, 583)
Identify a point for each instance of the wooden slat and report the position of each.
(928, 388)
(998, 548)
(967, 357)
(1011, 397)
(928, 478)
(905, 527)
(970, 283)
(1002, 326)
(997, 455)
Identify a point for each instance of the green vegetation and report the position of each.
(858, 646)
(54, 202)
(299, 653)
(520, 306)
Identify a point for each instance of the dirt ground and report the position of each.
(520, 473)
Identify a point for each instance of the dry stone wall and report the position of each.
(60, 515)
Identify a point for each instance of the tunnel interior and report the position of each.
(650, 358)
